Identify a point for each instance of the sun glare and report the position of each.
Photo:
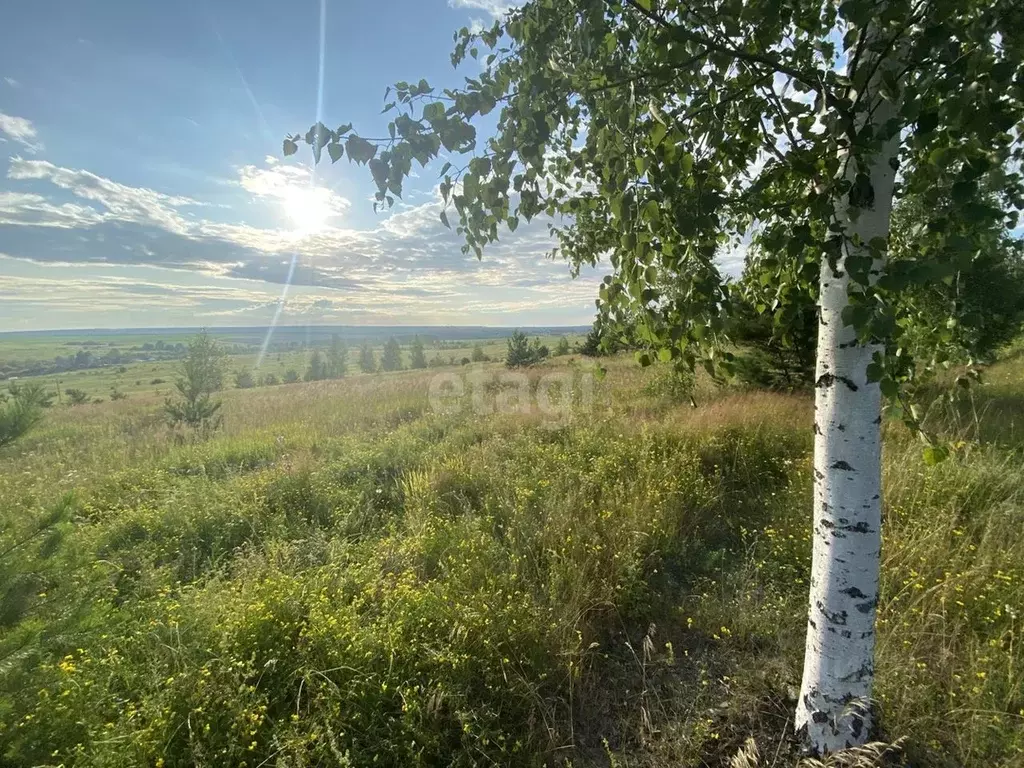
(308, 208)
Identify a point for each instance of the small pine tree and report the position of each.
(563, 347)
(317, 369)
(32, 393)
(479, 356)
(337, 355)
(17, 417)
(519, 353)
(291, 376)
(591, 346)
(419, 357)
(201, 374)
(367, 361)
(391, 357)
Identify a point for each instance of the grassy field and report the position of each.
(345, 575)
(157, 377)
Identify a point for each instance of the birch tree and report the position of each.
(659, 136)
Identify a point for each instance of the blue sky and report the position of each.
(142, 183)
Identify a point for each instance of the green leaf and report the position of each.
(927, 122)
(935, 454)
(434, 111)
(657, 134)
(665, 354)
(360, 150)
(444, 219)
(335, 151)
(290, 147)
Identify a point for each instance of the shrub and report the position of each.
(76, 396)
(32, 393)
(244, 379)
(291, 376)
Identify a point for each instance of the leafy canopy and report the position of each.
(661, 134)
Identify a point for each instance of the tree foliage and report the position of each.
(391, 356)
(317, 369)
(18, 415)
(666, 132)
(521, 351)
(337, 358)
(417, 354)
(367, 361)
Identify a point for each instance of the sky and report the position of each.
(142, 181)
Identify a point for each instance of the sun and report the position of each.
(308, 208)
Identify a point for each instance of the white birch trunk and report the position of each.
(834, 707)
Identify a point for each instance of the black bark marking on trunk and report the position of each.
(841, 427)
(878, 420)
(818, 475)
(817, 429)
(861, 527)
(837, 618)
(819, 717)
(866, 607)
(856, 727)
(866, 669)
(843, 465)
(854, 593)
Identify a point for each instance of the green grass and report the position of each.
(343, 577)
(157, 378)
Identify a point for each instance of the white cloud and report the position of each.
(131, 204)
(497, 8)
(19, 130)
(12, 82)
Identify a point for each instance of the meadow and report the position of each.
(156, 377)
(347, 575)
